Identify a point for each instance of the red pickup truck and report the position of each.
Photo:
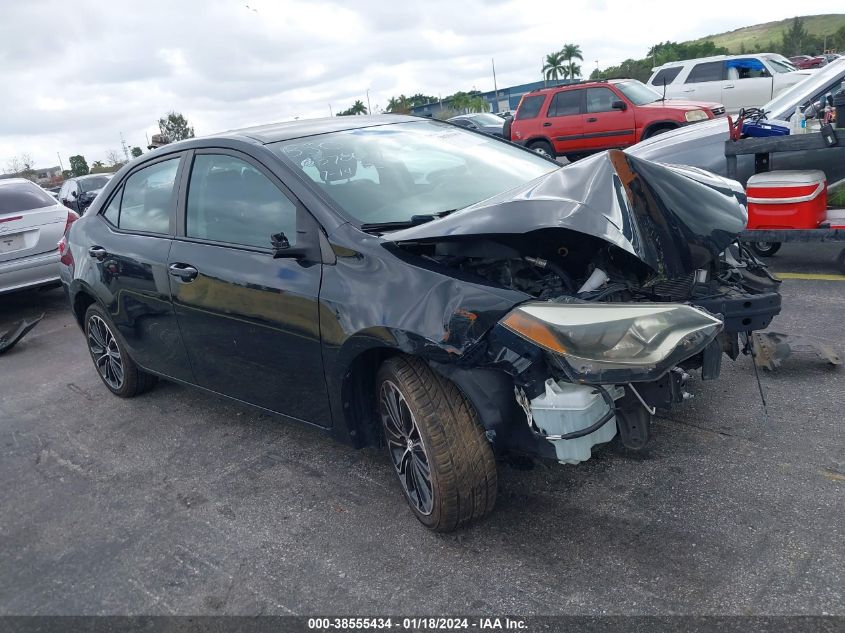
(588, 117)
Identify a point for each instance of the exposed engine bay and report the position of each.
(628, 287)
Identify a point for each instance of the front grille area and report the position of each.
(674, 289)
(718, 111)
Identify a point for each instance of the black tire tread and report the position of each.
(461, 459)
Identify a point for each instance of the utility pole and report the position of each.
(123, 144)
(330, 110)
(62, 167)
(369, 109)
(495, 85)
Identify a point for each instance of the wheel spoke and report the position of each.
(422, 464)
(423, 487)
(117, 370)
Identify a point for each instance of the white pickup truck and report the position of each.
(737, 81)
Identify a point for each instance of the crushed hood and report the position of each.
(674, 219)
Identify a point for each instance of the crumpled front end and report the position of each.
(632, 277)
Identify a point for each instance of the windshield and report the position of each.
(780, 64)
(93, 183)
(485, 118)
(638, 93)
(824, 81)
(391, 173)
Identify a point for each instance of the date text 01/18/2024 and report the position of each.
(416, 623)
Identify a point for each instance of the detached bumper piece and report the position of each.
(772, 348)
(9, 339)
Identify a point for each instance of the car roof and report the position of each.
(15, 181)
(713, 58)
(581, 84)
(273, 132)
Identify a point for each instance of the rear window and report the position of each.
(667, 76)
(530, 107)
(22, 196)
(709, 71)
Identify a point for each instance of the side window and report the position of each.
(708, 71)
(112, 212)
(148, 198)
(530, 107)
(745, 69)
(229, 200)
(565, 103)
(600, 99)
(667, 76)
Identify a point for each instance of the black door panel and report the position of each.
(129, 274)
(251, 328)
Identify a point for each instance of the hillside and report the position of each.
(763, 34)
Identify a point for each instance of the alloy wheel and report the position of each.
(105, 352)
(406, 448)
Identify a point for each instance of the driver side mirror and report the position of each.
(74, 194)
(283, 249)
(619, 105)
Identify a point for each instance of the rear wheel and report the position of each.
(765, 249)
(543, 148)
(438, 449)
(116, 368)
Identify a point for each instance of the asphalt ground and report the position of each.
(178, 502)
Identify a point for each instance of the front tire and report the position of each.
(115, 367)
(765, 249)
(438, 449)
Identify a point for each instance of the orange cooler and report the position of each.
(787, 200)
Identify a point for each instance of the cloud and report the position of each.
(76, 80)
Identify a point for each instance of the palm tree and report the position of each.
(570, 52)
(399, 105)
(554, 68)
(358, 107)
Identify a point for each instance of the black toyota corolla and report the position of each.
(404, 282)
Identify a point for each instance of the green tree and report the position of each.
(570, 52)
(78, 165)
(399, 105)
(175, 127)
(136, 152)
(97, 164)
(554, 68)
(357, 108)
(795, 38)
(420, 99)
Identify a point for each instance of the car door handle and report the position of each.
(592, 119)
(726, 87)
(98, 252)
(183, 271)
(547, 124)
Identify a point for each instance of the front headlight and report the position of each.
(631, 341)
(695, 115)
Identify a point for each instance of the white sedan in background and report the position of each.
(31, 224)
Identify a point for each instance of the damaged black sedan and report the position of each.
(403, 282)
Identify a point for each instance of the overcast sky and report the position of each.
(77, 75)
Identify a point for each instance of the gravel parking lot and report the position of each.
(179, 502)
